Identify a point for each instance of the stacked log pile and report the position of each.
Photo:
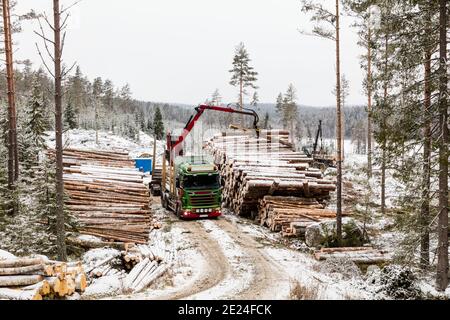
(107, 195)
(292, 215)
(359, 255)
(38, 278)
(255, 167)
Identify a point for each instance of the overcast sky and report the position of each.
(181, 51)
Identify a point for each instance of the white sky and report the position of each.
(180, 51)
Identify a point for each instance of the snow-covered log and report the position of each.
(19, 294)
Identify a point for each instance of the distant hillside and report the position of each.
(309, 116)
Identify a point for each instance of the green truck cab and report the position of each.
(193, 190)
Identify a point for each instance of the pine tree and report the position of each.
(242, 75)
(443, 142)
(266, 121)
(255, 100)
(3, 190)
(158, 125)
(280, 110)
(290, 109)
(77, 91)
(327, 26)
(216, 98)
(125, 97)
(108, 94)
(97, 92)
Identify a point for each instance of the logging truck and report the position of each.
(195, 191)
(191, 185)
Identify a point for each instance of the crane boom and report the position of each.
(174, 146)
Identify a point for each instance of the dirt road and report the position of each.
(235, 266)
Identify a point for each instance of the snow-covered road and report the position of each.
(232, 258)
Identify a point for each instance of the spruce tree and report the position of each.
(70, 121)
(37, 117)
(158, 125)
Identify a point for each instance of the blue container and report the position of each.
(144, 164)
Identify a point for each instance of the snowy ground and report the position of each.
(232, 258)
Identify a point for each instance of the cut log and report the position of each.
(20, 262)
(34, 269)
(131, 277)
(16, 281)
(145, 271)
(19, 294)
(146, 281)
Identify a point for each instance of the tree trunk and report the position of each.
(425, 206)
(13, 163)
(241, 99)
(338, 131)
(383, 127)
(60, 227)
(96, 121)
(442, 265)
(369, 102)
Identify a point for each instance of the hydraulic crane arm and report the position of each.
(173, 146)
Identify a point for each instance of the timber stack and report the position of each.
(292, 215)
(107, 195)
(255, 167)
(38, 278)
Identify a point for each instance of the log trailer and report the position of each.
(191, 185)
(322, 160)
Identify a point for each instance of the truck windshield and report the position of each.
(201, 182)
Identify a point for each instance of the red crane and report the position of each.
(174, 146)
